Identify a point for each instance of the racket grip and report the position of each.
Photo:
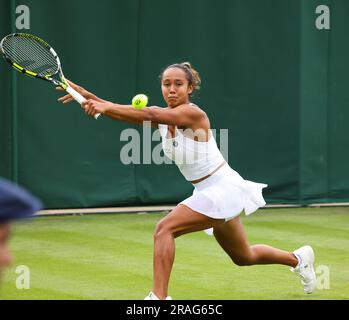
(79, 98)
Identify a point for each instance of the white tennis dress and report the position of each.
(224, 194)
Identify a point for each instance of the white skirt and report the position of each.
(224, 195)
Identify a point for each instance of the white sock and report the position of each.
(299, 260)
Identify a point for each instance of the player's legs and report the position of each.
(232, 238)
(180, 220)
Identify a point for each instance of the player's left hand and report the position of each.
(92, 107)
(68, 98)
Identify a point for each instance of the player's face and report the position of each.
(175, 87)
(5, 254)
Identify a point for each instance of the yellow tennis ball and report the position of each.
(140, 101)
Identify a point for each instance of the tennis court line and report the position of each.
(145, 209)
(137, 209)
(105, 210)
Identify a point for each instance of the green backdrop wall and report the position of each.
(276, 82)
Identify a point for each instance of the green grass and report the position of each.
(110, 257)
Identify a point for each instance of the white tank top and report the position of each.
(194, 159)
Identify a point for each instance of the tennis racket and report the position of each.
(34, 57)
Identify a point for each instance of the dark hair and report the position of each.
(192, 75)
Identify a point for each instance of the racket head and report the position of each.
(32, 56)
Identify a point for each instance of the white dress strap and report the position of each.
(162, 129)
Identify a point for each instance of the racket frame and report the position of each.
(63, 83)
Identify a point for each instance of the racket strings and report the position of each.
(31, 55)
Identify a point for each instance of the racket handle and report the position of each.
(79, 98)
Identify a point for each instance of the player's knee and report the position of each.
(161, 230)
(244, 260)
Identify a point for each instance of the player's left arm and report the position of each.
(183, 115)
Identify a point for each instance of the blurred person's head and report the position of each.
(15, 203)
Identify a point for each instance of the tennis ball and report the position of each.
(140, 101)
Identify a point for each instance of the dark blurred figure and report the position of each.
(15, 203)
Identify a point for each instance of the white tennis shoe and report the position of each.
(305, 268)
(152, 296)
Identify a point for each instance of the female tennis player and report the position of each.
(220, 193)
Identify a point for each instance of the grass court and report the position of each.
(109, 256)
